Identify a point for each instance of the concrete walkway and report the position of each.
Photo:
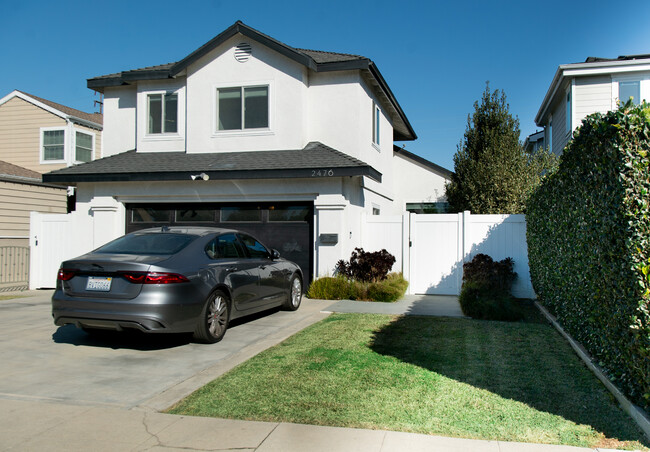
(39, 424)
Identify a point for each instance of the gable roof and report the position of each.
(19, 175)
(444, 172)
(314, 60)
(130, 166)
(94, 120)
(591, 66)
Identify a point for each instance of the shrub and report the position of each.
(486, 289)
(588, 233)
(330, 288)
(340, 288)
(366, 266)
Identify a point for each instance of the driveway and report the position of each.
(41, 361)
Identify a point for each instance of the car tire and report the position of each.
(294, 296)
(214, 319)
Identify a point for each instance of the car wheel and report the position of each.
(295, 294)
(214, 319)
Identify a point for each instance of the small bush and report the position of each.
(366, 266)
(330, 288)
(339, 288)
(486, 289)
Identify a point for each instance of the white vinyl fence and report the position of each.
(430, 249)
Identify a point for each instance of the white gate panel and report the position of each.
(385, 232)
(436, 251)
(49, 245)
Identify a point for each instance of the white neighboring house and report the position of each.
(580, 89)
(292, 145)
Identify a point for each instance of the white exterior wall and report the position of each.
(591, 95)
(416, 183)
(119, 120)
(219, 69)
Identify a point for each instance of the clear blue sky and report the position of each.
(435, 56)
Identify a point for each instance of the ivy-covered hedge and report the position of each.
(588, 233)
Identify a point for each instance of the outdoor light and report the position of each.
(201, 176)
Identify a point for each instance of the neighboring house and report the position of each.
(535, 141)
(597, 85)
(292, 145)
(37, 136)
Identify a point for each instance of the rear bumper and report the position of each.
(172, 311)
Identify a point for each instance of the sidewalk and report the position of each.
(39, 424)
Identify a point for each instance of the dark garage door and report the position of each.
(286, 227)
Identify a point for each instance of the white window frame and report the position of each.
(73, 157)
(178, 114)
(644, 87)
(569, 107)
(376, 126)
(242, 132)
(41, 151)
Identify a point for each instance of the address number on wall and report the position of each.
(322, 173)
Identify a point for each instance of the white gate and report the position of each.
(52, 230)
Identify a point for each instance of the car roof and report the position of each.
(190, 230)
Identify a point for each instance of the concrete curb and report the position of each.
(634, 411)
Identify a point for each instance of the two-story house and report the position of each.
(580, 89)
(292, 145)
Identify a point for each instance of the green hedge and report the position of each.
(341, 288)
(588, 233)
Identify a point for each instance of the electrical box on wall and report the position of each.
(328, 239)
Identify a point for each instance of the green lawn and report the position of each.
(442, 376)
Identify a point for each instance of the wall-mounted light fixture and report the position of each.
(201, 176)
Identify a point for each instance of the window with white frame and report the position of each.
(376, 117)
(83, 147)
(243, 108)
(162, 113)
(629, 89)
(53, 145)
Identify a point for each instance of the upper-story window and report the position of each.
(53, 145)
(376, 117)
(84, 147)
(163, 113)
(629, 89)
(242, 108)
(569, 114)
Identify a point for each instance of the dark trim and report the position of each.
(384, 87)
(304, 173)
(422, 161)
(30, 182)
(344, 65)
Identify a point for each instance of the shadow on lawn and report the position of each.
(526, 362)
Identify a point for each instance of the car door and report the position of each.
(271, 289)
(230, 265)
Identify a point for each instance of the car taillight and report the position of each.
(65, 274)
(153, 277)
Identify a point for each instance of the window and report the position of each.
(568, 112)
(255, 248)
(53, 144)
(242, 108)
(83, 150)
(149, 215)
(376, 210)
(629, 89)
(240, 214)
(163, 113)
(376, 117)
(223, 247)
(148, 243)
(288, 213)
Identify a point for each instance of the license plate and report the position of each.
(99, 284)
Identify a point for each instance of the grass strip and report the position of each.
(453, 377)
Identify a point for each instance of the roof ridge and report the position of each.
(93, 117)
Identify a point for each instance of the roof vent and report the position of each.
(243, 52)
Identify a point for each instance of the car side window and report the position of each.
(224, 247)
(255, 248)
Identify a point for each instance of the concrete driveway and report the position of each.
(41, 361)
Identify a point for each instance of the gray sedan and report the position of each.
(172, 280)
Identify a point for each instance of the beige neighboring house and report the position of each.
(36, 136)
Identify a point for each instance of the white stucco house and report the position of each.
(295, 146)
(580, 89)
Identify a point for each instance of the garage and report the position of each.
(284, 226)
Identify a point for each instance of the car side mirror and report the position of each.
(275, 254)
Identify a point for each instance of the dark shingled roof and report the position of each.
(315, 160)
(96, 118)
(643, 56)
(17, 174)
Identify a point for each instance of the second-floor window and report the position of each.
(163, 113)
(376, 117)
(629, 89)
(83, 150)
(243, 108)
(53, 144)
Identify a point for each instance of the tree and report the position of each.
(492, 171)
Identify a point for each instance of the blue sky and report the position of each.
(435, 56)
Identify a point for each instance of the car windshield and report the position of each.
(159, 243)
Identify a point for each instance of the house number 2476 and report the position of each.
(322, 173)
